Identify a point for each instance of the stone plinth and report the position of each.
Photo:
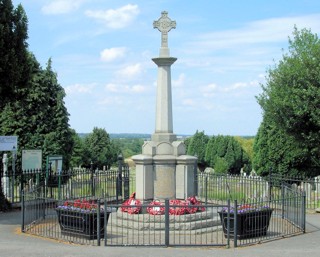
(164, 177)
(185, 176)
(163, 171)
(144, 177)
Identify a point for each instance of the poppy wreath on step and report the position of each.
(177, 207)
(132, 205)
(194, 205)
(156, 208)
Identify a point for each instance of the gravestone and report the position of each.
(163, 170)
(307, 188)
(317, 183)
(294, 187)
(5, 178)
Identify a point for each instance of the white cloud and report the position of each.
(126, 89)
(110, 54)
(111, 101)
(272, 30)
(111, 87)
(130, 71)
(180, 81)
(79, 89)
(61, 6)
(238, 86)
(138, 88)
(189, 102)
(212, 89)
(209, 90)
(115, 18)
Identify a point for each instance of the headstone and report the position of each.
(317, 183)
(209, 170)
(307, 187)
(294, 187)
(5, 178)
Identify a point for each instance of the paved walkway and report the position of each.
(14, 243)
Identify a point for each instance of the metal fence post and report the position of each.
(119, 177)
(21, 184)
(282, 200)
(166, 202)
(59, 185)
(22, 211)
(105, 223)
(303, 209)
(235, 224)
(206, 190)
(14, 173)
(98, 221)
(92, 180)
(270, 185)
(126, 182)
(228, 225)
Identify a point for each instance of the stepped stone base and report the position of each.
(198, 222)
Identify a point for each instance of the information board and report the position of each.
(8, 143)
(56, 163)
(31, 160)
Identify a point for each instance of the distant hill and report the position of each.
(122, 135)
(130, 135)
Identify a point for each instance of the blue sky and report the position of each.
(102, 50)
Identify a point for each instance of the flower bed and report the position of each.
(252, 221)
(79, 218)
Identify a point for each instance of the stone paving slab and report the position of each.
(13, 243)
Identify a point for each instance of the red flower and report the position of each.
(132, 205)
(156, 208)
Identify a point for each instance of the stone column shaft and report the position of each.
(164, 123)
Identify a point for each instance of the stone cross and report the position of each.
(164, 24)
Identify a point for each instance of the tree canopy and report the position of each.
(288, 139)
(223, 153)
(31, 99)
(99, 149)
(14, 69)
(197, 146)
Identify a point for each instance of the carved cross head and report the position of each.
(164, 24)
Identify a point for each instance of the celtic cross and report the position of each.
(164, 24)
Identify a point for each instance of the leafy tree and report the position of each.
(197, 146)
(78, 151)
(13, 58)
(246, 145)
(217, 147)
(290, 103)
(55, 127)
(187, 141)
(129, 146)
(221, 165)
(226, 154)
(276, 152)
(39, 119)
(99, 149)
(233, 156)
(14, 70)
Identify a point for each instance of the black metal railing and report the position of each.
(258, 221)
(220, 188)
